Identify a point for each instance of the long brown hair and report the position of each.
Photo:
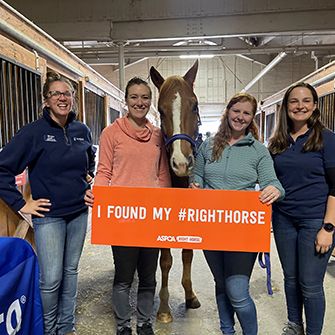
(279, 141)
(223, 134)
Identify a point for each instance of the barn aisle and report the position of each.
(95, 315)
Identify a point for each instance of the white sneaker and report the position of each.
(293, 329)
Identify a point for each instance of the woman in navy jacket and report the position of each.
(303, 223)
(59, 155)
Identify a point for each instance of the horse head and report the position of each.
(178, 108)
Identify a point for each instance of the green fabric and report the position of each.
(241, 166)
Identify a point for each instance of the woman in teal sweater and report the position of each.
(234, 160)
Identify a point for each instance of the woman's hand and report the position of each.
(269, 195)
(34, 207)
(323, 241)
(89, 198)
(194, 185)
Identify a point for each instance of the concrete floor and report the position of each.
(95, 314)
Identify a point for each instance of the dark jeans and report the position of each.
(304, 269)
(232, 271)
(127, 260)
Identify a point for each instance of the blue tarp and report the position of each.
(20, 301)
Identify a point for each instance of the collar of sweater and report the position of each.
(246, 140)
(46, 115)
(142, 135)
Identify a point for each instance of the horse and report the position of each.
(179, 114)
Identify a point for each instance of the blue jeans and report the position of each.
(303, 268)
(232, 271)
(59, 243)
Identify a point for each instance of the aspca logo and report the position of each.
(166, 238)
(13, 317)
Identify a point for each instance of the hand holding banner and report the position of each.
(180, 218)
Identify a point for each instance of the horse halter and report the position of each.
(195, 142)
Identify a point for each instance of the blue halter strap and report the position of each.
(195, 143)
(169, 140)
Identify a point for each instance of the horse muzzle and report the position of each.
(182, 166)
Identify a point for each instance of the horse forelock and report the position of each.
(174, 84)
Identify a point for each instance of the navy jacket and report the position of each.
(58, 161)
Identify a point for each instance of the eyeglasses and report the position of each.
(57, 94)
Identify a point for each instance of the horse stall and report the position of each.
(27, 53)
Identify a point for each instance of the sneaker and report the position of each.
(124, 331)
(293, 329)
(145, 329)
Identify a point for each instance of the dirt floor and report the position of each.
(95, 314)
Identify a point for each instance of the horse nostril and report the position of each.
(174, 164)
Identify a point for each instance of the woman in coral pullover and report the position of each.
(132, 153)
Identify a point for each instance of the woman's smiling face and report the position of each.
(300, 105)
(240, 116)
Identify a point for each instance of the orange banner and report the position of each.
(180, 218)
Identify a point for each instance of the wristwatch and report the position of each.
(328, 227)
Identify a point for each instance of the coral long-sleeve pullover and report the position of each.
(132, 157)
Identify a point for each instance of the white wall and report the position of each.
(220, 78)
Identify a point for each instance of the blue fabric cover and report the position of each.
(20, 302)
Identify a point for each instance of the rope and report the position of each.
(266, 265)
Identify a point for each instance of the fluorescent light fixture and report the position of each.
(194, 42)
(195, 56)
(178, 44)
(209, 42)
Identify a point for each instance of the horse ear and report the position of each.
(191, 73)
(156, 77)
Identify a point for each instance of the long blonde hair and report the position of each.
(224, 133)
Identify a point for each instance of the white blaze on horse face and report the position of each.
(178, 161)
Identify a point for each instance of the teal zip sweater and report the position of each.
(240, 167)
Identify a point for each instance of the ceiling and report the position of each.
(105, 31)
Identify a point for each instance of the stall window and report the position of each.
(20, 98)
(94, 111)
(327, 109)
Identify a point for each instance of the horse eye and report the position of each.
(195, 108)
